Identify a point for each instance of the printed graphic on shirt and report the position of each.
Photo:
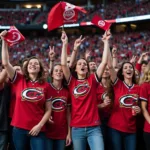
(104, 95)
(82, 89)
(32, 94)
(128, 100)
(59, 104)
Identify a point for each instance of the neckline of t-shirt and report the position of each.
(55, 87)
(129, 87)
(34, 81)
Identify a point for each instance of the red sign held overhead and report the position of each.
(63, 13)
(13, 36)
(98, 21)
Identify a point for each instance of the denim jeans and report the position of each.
(92, 135)
(21, 137)
(105, 134)
(121, 139)
(52, 144)
(3, 140)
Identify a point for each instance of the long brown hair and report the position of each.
(40, 76)
(146, 76)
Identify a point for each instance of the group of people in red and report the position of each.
(83, 103)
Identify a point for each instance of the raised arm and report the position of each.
(51, 58)
(77, 43)
(65, 68)
(5, 57)
(3, 76)
(114, 57)
(113, 73)
(103, 64)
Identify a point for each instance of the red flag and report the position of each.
(98, 21)
(13, 36)
(63, 13)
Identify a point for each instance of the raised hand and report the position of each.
(87, 54)
(51, 53)
(64, 38)
(107, 35)
(78, 42)
(133, 59)
(2, 34)
(114, 50)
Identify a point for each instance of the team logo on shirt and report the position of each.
(59, 104)
(104, 95)
(82, 89)
(32, 94)
(128, 100)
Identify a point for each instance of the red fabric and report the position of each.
(98, 21)
(84, 110)
(145, 95)
(101, 94)
(13, 36)
(138, 67)
(60, 99)
(121, 116)
(63, 13)
(30, 102)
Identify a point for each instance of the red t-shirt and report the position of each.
(121, 116)
(30, 102)
(60, 100)
(84, 110)
(101, 93)
(145, 96)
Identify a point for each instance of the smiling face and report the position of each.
(106, 73)
(81, 68)
(33, 66)
(127, 71)
(57, 73)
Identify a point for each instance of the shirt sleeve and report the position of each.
(48, 95)
(17, 77)
(143, 92)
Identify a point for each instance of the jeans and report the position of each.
(92, 135)
(105, 134)
(3, 140)
(21, 137)
(121, 139)
(52, 144)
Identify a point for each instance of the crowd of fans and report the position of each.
(19, 17)
(124, 9)
(128, 44)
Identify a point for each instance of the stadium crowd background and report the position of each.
(130, 38)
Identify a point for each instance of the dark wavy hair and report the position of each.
(64, 82)
(74, 73)
(120, 71)
(40, 76)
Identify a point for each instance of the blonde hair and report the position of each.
(146, 75)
